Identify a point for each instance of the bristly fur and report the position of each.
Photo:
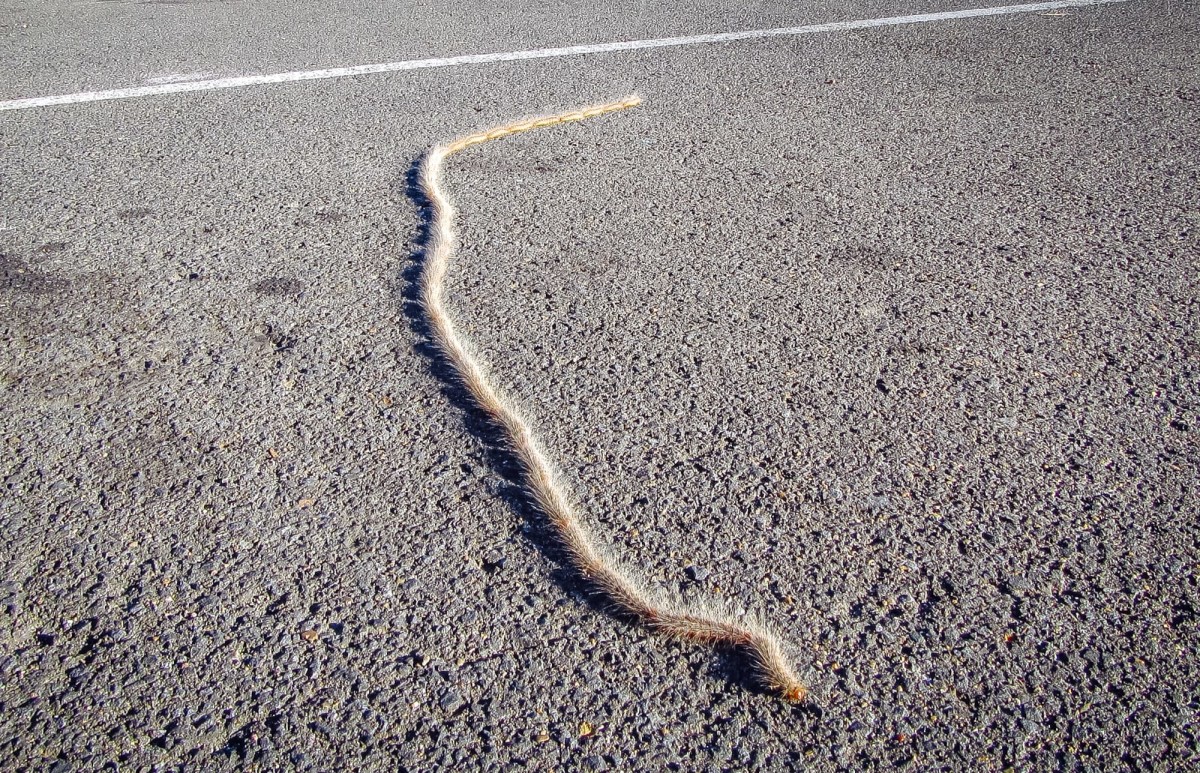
(626, 595)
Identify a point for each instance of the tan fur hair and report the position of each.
(615, 582)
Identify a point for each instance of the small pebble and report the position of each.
(450, 701)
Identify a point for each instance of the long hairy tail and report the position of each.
(616, 583)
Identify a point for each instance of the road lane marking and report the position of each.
(133, 92)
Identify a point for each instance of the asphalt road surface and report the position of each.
(889, 336)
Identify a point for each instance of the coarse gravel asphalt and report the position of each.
(888, 336)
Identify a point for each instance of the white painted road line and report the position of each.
(540, 53)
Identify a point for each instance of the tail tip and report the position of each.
(794, 693)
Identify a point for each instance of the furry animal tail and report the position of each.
(616, 583)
